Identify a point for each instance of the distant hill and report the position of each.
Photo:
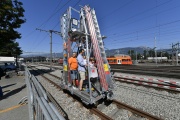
(56, 55)
(110, 52)
(138, 49)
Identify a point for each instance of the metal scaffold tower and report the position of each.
(80, 30)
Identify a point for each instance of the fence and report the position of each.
(39, 106)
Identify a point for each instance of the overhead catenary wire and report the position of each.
(112, 12)
(30, 33)
(59, 21)
(136, 15)
(54, 14)
(145, 18)
(140, 38)
(143, 33)
(148, 28)
(135, 36)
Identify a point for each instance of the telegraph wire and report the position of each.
(40, 42)
(54, 14)
(138, 14)
(148, 28)
(162, 31)
(42, 24)
(111, 13)
(149, 16)
(132, 39)
(59, 21)
(150, 35)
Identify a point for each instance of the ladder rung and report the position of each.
(102, 52)
(96, 27)
(95, 22)
(97, 33)
(93, 12)
(100, 41)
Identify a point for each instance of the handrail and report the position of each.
(39, 106)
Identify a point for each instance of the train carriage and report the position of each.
(122, 60)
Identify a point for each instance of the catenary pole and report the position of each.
(50, 31)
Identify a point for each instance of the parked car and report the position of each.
(8, 66)
(2, 73)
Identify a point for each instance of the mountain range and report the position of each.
(109, 52)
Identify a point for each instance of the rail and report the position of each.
(40, 108)
(137, 111)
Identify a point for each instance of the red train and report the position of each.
(123, 59)
(60, 61)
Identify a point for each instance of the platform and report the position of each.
(14, 89)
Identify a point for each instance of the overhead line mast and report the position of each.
(50, 31)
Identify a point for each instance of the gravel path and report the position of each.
(157, 102)
(71, 107)
(163, 104)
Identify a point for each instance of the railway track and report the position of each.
(108, 116)
(161, 71)
(160, 84)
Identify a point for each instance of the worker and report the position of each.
(73, 65)
(81, 67)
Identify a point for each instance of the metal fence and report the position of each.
(39, 106)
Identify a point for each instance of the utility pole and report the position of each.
(175, 51)
(161, 56)
(155, 49)
(136, 57)
(50, 31)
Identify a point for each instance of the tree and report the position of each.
(139, 56)
(11, 18)
(151, 53)
(166, 54)
(145, 54)
(131, 53)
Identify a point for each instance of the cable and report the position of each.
(150, 16)
(132, 40)
(54, 14)
(77, 3)
(148, 28)
(111, 13)
(138, 14)
(40, 42)
(73, 6)
(140, 35)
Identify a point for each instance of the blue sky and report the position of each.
(126, 23)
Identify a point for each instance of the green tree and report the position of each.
(151, 53)
(11, 18)
(131, 53)
(145, 54)
(139, 56)
(166, 54)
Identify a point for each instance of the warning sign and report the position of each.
(65, 67)
(106, 67)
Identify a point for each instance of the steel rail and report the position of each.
(119, 104)
(145, 70)
(164, 74)
(173, 90)
(92, 110)
(136, 111)
(100, 114)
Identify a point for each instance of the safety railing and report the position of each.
(39, 106)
